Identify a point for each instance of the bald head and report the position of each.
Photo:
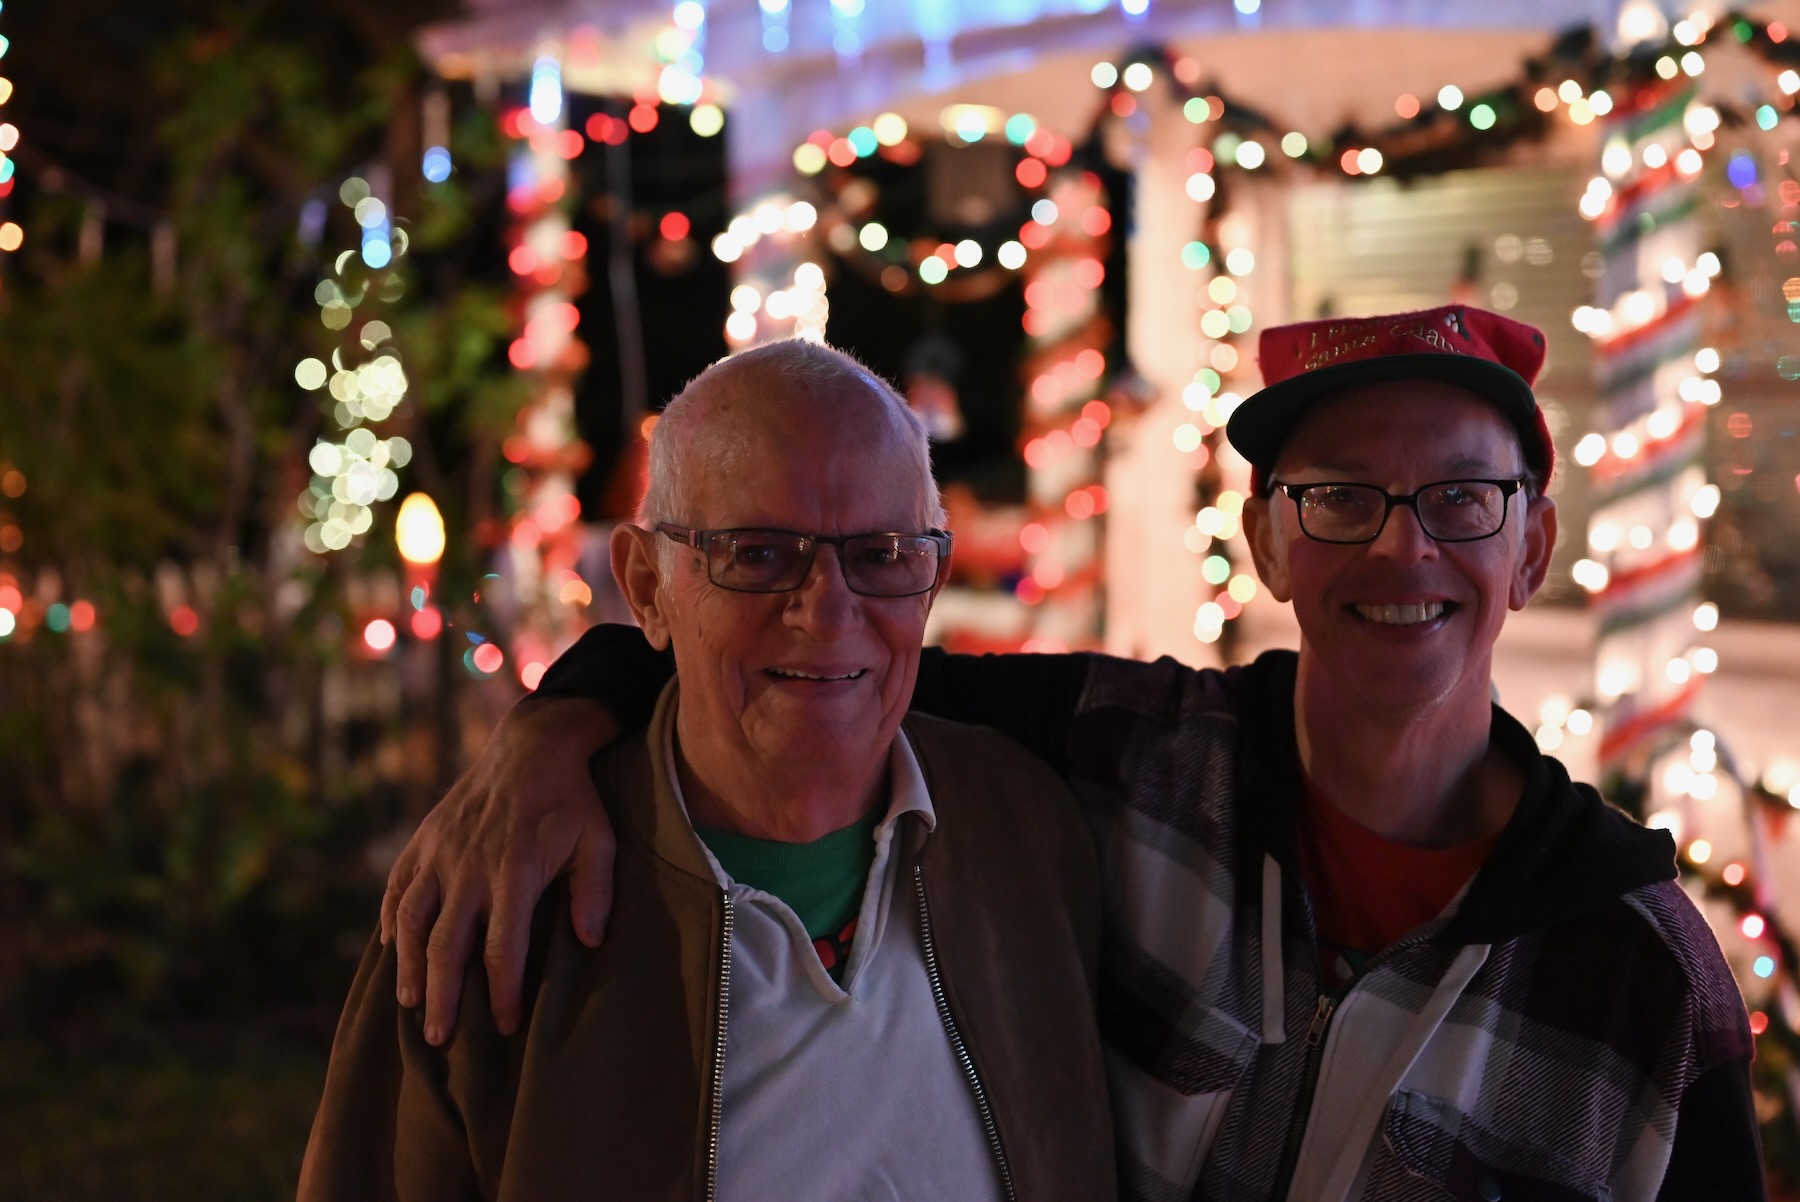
(746, 407)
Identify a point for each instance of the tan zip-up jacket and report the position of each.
(606, 1092)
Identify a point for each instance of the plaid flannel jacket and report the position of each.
(1536, 1043)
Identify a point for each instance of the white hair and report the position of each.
(771, 374)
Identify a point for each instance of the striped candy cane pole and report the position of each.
(543, 538)
(1065, 416)
(1643, 564)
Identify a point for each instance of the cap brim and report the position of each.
(1261, 424)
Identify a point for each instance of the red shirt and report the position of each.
(1367, 890)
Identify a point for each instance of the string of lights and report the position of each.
(1057, 252)
(1643, 535)
(13, 612)
(1644, 540)
(1654, 136)
(1066, 416)
(1451, 127)
(548, 257)
(363, 383)
(12, 234)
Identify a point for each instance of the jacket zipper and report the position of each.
(1309, 1084)
(1315, 1059)
(718, 1070)
(956, 1040)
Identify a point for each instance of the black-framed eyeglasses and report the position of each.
(1450, 511)
(886, 564)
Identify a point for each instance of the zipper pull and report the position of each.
(1320, 1020)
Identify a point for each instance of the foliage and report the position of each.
(185, 818)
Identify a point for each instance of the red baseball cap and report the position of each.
(1493, 356)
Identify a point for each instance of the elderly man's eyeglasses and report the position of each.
(1450, 511)
(776, 561)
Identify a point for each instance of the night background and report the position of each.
(330, 335)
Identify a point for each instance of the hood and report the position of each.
(1564, 852)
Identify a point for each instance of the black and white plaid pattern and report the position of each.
(1553, 1063)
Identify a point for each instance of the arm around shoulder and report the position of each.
(1030, 698)
(614, 665)
(525, 812)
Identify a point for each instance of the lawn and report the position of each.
(203, 1115)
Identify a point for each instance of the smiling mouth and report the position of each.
(1403, 615)
(791, 674)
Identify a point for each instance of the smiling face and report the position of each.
(801, 682)
(1402, 625)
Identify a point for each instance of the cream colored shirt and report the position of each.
(854, 1093)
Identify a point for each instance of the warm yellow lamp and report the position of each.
(419, 531)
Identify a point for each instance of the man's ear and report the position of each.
(1266, 549)
(638, 571)
(1534, 561)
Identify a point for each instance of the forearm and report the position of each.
(613, 666)
(587, 723)
(1031, 698)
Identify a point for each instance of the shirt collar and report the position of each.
(907, 793)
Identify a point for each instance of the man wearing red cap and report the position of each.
(1363, 940)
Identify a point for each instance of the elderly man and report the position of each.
(1364, 940)
(853, 955)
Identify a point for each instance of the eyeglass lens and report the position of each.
(1452, 510)
(876, 565)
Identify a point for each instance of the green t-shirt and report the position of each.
(821, 882)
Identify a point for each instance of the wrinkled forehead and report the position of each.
(836, 443)
(793, 419)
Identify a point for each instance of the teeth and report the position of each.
(1402, 615)
(790, 674)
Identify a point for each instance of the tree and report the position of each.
(179, 833)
